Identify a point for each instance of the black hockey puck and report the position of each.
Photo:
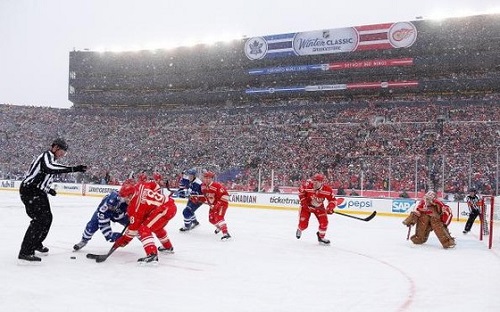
(73, 257)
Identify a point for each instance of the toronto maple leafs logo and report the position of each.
(256, 48)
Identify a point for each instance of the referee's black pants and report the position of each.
(472, 217)
(38, 209)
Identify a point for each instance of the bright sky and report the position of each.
(370, 266)
(36, 36)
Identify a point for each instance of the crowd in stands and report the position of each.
(401, 144)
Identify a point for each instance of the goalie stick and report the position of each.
(371, 216)
(409, 231)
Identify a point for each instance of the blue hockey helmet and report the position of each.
(191, 171)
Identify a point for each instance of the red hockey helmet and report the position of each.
(129, 181)
(141, 177)
(318, 177)
(208, 174)
(157, 176)
(126, 190)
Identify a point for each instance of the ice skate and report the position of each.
(322, 241)
(190, 227)
(298, 233)
(225, 237)
(151, 259)
(166, 250)
(28, 260)
(217, 231)
(80, 245)
(42, 251)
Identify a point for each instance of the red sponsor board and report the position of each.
(371, 63)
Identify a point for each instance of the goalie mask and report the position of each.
(430, 196)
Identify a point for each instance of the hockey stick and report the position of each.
(102, 258)
(408, 234)
(373, 214)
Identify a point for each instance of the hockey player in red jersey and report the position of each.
(149, 212)
(312, 196)
(217, 197)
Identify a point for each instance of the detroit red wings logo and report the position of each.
(402, 34)
(316, 201)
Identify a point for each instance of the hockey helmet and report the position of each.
(129, 181)
(191, 171)
(208, 174)
(318, 177)
(141, 177)
(472, 190)
(157, 176)
(430, 195)
(61, 143)
(126, 190)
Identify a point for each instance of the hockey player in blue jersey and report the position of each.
(190, 185)
(111, 208)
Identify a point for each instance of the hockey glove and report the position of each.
(52, 192)
(181, 193)
(113, 237)
(123, 240)
(196, 199)
(330, 208)
(79, 168)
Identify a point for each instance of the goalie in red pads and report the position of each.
(431, 215)
(312, 196)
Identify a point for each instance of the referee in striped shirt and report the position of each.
(34, 189)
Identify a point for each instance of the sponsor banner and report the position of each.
(331, 87)
(382, 84)
(333, 66)
(287, 201)
(274, 90)
(67, 188)
(265, 199)
(10, 184)
(371, 64)
(287, 69)
(336, 87)
(403, 205)
(327, 41)
(99, 189)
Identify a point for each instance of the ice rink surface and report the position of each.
(370, 266)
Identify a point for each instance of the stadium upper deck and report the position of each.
(455, 55)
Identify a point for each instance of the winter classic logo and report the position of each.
(402, 35)
(402, 205)
(326, 41)
(256, 48)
